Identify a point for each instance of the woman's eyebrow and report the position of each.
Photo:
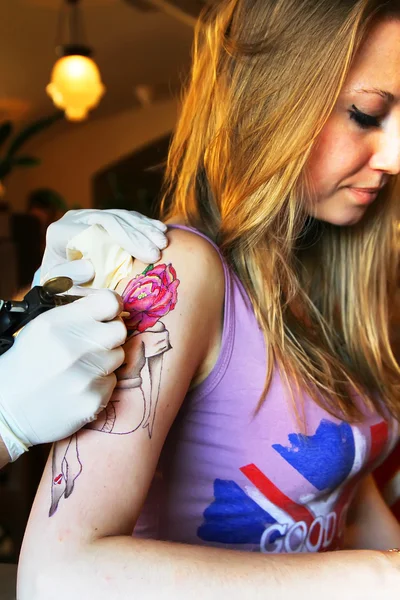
(383, 93)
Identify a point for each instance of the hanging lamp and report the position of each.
(75, 85)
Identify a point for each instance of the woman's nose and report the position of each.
(386, 157)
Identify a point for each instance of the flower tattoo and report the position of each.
(150, 296)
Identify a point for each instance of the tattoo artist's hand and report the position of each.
(141, 237)
(59, 374)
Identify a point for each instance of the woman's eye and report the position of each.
(362, 119)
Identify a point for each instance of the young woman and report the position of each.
(259, 388)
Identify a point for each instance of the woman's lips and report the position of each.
(364, 196)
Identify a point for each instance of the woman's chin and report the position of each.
(347, 218)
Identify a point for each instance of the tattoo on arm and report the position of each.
(148, 297)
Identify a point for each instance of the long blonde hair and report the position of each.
(265, 78)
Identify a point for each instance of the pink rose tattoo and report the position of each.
(150, 296)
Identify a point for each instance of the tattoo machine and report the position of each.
(15, 314)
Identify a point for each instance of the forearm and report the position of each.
(377, 535)
(4, 456)
(123, 567)
(371, 523)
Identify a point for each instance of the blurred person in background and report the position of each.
(47, 206)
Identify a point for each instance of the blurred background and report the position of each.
(112, 157)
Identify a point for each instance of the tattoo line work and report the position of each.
(147, 298)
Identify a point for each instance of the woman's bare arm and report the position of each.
(95, 485)
(4, 456)
(371, 523)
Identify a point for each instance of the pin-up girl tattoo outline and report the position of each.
(148, 297)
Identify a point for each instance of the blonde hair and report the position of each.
(265, 78)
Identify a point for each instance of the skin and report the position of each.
(4, 456)
(348, 156)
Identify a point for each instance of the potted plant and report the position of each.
(10, 156)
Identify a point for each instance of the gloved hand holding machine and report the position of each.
(15, 314)
(57, 367)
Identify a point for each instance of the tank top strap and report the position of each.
(228, 332)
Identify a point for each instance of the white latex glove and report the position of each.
(141, 237)
(59, 374)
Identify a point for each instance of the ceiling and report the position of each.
(136, 43)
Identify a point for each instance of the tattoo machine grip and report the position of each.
(15, 314)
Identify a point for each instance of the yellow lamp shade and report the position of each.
(75, 86)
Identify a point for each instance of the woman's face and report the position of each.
(358, 150)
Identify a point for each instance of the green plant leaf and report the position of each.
(25, 161)
(30, 130)
(6, 129)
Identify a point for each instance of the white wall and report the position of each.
(73, 157)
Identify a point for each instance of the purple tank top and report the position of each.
(228, 477)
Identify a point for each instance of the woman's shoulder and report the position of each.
(195, 263)
(187, 287)
(195, 248)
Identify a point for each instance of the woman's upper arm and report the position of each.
(370, 523)
(95, 482)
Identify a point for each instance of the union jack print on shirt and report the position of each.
(333, 461)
